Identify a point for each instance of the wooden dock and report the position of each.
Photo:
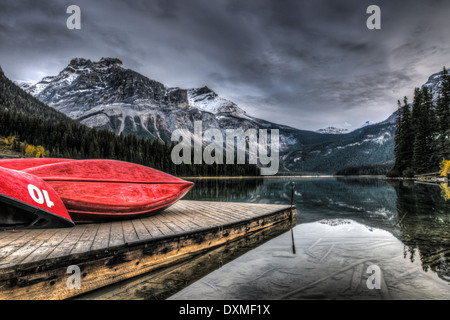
(41, 264)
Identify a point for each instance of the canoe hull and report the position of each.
(97, 201)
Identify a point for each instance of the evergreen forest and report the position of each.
(422, 139)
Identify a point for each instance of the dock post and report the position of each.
(292, 217)
(292, 197)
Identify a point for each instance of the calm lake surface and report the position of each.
(345, 227)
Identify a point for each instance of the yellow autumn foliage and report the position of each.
(10, 141)
(28, 150)
(36, 152)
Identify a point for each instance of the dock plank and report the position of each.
(129, 232)
(141, 231)
(207, 214)
(101, 239)
(87, 238)
(47, 246)
(163, 228)
(152, 229)
(20, 239)
(116, 236)
(66, 246)
(174, 224)
(230, 213)
(191, 223)
(21, 254)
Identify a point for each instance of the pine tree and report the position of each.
(422, 119)
(442, 144)
(404, 136)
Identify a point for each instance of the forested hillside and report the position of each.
(422, 138)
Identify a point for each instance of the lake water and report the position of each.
(346, 227)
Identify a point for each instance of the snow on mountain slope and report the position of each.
(367, 123)
(207, 100)
(333, 130)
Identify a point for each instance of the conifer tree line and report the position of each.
(30, 121)
(422, 138)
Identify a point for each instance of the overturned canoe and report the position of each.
(26, 201)
(101, 190)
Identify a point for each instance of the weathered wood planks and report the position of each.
(33, 263)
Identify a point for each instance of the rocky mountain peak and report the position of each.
(367, 123)
(110, 61)
(203, 90)
(434, 83)
(81, 65)
(80, 62)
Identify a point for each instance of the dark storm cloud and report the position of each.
(308, 64)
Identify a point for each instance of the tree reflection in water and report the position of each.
(223, 189)
(425, 225)
(445, 191)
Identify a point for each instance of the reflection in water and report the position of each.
(161, 284)
(223, 189)
(415, 219)
(424, 225)
(332, 262)
(445, 191)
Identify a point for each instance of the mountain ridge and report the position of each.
(107, 95)
(29, 120)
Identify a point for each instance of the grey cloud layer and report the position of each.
(307, 64)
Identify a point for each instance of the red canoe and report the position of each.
(102, 190)
(26, 201)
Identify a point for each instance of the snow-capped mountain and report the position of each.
(333, 130)
(207, 100)
(367, 123)
(434, 84)
(107, 95)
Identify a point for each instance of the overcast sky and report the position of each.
(309, 64)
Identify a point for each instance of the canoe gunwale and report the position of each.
(54, 220)
(113, 181)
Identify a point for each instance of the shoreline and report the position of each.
(287, 176)
(436, 180)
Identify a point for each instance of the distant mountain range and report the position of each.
(105, 94)
(334, 130)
